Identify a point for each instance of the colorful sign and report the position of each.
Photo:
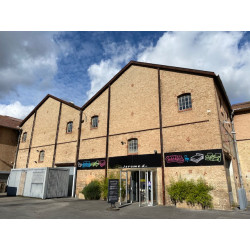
(194, 158)
(91, 164)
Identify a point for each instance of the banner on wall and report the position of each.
(194, 158)
(87, 164)
(135, 161)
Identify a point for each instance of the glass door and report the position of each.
(146, 188)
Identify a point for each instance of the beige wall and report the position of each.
(8, 144)
(242, 129)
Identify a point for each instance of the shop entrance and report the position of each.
(138, 186)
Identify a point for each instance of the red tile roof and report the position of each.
(242, 105)
(9, 122)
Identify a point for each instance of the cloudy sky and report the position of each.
(75, 65)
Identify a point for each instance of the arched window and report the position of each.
(133, 146)
(69, 127)
(94, 121)
(24, 137)
(41, 156)
(184, 102)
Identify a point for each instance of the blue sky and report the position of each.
(75, 65)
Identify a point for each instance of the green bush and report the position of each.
(92, 191)
(105, 182)
(193, 192)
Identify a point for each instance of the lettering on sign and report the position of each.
(91, 164)
(194, 158)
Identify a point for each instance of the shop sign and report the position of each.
(113, 191)
(87, 164)
(135, 161)
(194, 158)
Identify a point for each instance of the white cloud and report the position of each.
(101, 73)
(16, 110)
(26, 58)
(212, 51)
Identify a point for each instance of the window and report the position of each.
(184, 102)
(69, 127)
(132, 146)
(24, 137)
(94, 122)
(41, 156)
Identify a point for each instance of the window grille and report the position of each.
(24, 137)
(184, 102)
(132, 146)
(94, 121)
(69, 127)
(41, 156)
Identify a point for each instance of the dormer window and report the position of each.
(69, 127)
(94, 121)
(184, 102)
(41, 156)
(24, 137)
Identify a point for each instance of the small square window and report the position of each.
(24, 137)
(94, 122)
(184, 102)
(69, 127)
(132, 146)
(41, 156)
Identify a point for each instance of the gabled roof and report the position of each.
(9, 122)
(217, 79)
(43, 100)
(243, 107)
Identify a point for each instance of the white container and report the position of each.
(38, 182)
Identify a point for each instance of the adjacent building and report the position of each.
(242, 129)
(150, 124)
(9, 132)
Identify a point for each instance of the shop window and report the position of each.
(41, 156)
(69, 127)
(94, 121)
(24, 137)
(184, 102)
(133, 146)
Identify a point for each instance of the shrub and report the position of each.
(193, 192)
(105, 182)
(92, 191)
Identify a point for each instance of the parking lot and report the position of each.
(70, 208)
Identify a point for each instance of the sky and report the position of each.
(74, 65)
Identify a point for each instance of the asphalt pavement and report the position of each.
(72, 208)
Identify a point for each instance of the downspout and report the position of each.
(236, 151)
(161, 140)
(107, 138)
(78, 148)
(57, 131)
(17, 149)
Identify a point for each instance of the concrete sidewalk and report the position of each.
(71, 208)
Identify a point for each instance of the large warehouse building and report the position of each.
(153, 123)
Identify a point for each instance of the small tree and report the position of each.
(92, 191)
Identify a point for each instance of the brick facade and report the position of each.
(134, 113)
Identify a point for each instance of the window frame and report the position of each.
(39, 156)
(137, 146)
(189, 101)
(71, 127)
(97, 122)
(25, 133)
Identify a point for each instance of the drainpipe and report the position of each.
(236, 151)
(17, 149)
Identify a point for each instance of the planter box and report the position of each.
(186, 206)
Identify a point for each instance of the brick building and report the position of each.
(9, 133)
(242, 129)
(152, 123)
